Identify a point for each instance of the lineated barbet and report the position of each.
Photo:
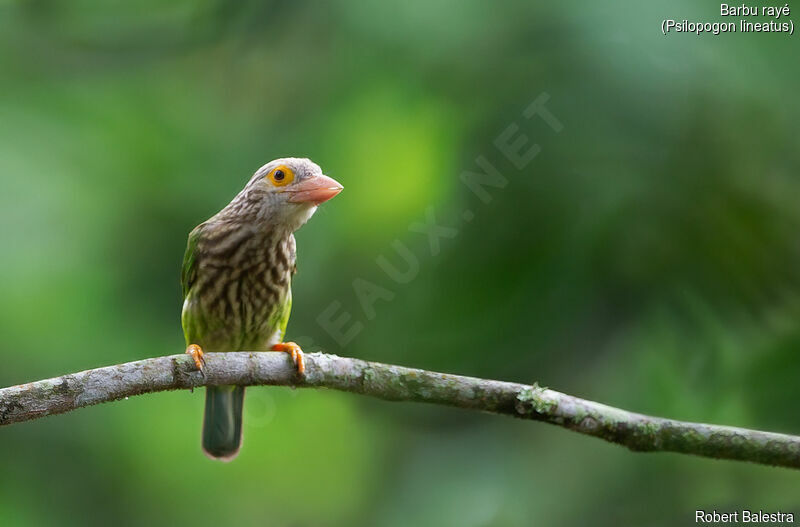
(236, 280)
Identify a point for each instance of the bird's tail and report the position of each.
(222, 423)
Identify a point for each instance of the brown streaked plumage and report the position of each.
(237, 281)
(242, 279)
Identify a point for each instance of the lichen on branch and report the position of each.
(638, 432)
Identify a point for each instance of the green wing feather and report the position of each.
(189, 269)
(283, 318)
(190, 322)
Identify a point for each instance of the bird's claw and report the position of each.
(196, 353)
(296, 353)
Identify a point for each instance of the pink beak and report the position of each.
(316, 190)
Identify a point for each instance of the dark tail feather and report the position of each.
(222, 424)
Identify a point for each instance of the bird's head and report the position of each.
(287, 191)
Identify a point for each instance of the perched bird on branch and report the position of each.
(236, 279)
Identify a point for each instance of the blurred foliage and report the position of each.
(647, 258)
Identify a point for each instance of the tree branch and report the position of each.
(638, 432)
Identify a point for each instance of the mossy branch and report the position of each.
(638, 432)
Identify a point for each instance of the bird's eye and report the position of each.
(281, 176)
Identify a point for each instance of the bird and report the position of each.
(236, 280)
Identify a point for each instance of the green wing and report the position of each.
(189, 268)
(283, 320)
(280, 318)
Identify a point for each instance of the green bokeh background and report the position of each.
(647, 258)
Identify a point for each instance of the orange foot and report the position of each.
(196, 353)
(294, 350)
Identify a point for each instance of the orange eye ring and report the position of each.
(281, 176)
